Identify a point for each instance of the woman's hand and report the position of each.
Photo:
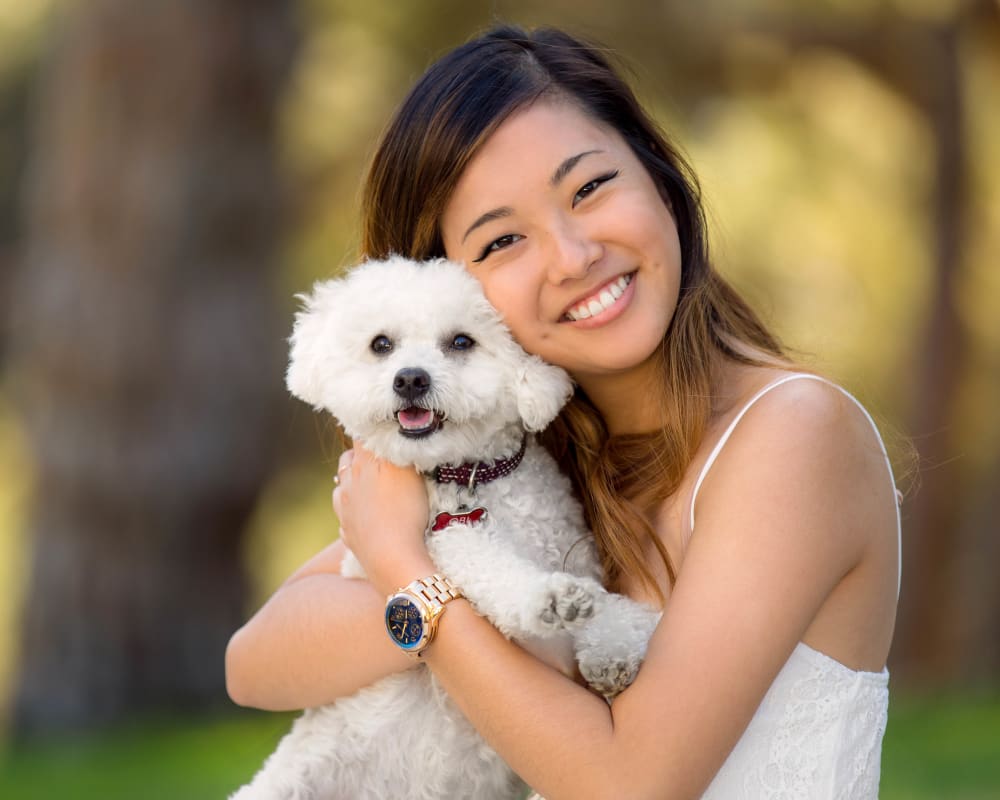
(383, 514)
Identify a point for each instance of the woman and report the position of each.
(524, 156)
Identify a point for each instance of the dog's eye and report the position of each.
(381, 345)
(462, 342)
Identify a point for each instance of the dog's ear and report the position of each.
(308, 370)
(542, 390)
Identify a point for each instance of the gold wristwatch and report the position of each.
(412, 613)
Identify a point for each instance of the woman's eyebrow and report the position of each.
(489, 216)
(564, 169)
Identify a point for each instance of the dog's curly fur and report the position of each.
(530, 566)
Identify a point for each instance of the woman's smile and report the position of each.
(604, 305)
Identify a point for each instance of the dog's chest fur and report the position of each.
(532, 509)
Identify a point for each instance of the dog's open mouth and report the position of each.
(416, 422)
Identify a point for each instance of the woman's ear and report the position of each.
(542, 390)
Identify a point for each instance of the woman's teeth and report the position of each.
(601, 301)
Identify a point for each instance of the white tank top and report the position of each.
(817, 734)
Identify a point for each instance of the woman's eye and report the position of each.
(381, 345)
(462, 342)
(498, 244)
(590, 186)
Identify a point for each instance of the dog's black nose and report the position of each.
(411, 383)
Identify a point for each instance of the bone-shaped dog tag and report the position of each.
(469, 517)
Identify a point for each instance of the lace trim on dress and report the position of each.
(817, 734)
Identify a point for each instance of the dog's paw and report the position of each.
(609, 676)
(567, 600)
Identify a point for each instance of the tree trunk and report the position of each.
(147, 349)
(925, 646)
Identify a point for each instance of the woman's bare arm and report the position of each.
(319, 637)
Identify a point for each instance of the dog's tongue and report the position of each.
(414, 418)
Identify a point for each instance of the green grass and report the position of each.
(158, 759)
(944, 748)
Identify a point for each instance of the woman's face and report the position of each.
(570, 238)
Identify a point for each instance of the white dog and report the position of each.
(412, 359)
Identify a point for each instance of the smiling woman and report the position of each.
(524, 156)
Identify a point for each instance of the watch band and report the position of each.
(435, 590)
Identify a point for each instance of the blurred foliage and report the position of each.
(22, 27)
(14, 469)
(294, 521)
(816, 232)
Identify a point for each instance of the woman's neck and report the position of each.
(630, 401)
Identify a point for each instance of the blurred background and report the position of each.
(173, 171)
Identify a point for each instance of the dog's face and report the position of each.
(412, 359)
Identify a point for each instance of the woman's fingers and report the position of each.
(336, 510)
(343, 475)
(343, 465)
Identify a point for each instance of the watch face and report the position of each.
(404, 622)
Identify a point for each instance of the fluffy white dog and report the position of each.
(412, 359)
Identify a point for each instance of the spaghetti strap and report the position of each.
(773, 385)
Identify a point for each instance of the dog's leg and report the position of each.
(520, 598)
(611, 645)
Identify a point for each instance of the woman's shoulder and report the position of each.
(786, 404)
(797, 432)
(792, 506)
(806, 475)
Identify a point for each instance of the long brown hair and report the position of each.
(448, 114)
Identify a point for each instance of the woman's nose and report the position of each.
(573, 252)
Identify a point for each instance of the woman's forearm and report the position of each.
(318, 638)
(494, 683)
